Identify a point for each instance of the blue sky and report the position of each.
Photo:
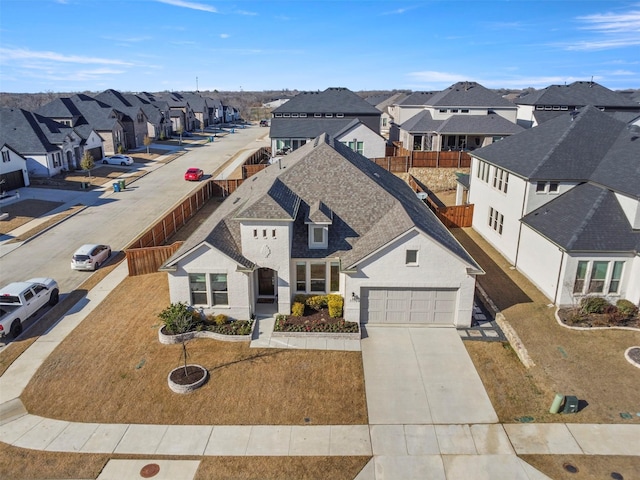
(156, 45)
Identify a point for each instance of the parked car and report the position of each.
(20, 300)
(118, 160)
(264, 123)
(90, 257)
(193, 174)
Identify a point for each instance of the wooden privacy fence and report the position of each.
(142, 261)
(454, 216)
(163, 229)
(415, 159)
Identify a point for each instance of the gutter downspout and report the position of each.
(524, 199)
(555, 296)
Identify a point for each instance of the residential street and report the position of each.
(117, 218)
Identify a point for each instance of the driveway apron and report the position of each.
(422, 376)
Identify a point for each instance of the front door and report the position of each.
(266, 282)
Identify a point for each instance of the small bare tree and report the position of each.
(147, 141)
(87, 163)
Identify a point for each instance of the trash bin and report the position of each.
(122, 184)
(116, 187)
(233, 130)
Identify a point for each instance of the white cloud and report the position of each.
(192, 5)
(437, 77)
(224, 35)
(26, 54)
(608, 31)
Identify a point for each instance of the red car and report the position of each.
(193, 174)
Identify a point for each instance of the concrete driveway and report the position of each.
(429, 414)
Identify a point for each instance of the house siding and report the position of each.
(436, 269)
(540, 261)
(374, 144)
(207, 260)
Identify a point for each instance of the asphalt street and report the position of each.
(116, 218)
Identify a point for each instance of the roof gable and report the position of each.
(469, 94)
(331, 100)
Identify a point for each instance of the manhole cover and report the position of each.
(570, 468)
(617, 476)
(150, 470)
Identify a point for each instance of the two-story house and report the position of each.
(464, 116)
(540, 106)
(49, 147)
(13, 169)
(336, 111)
(561, 202)
(325, 219)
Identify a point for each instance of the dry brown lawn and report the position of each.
(587, 364)
(590, 467)
(21, 464)
(112, 369)
(101, 175)
(23, 212)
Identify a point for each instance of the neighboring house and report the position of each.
(133, 111)
(464, 116)
(13, 170)
(383, 102)
(157, 115)
(542, 105)
(561, 202)
(49, 147)
(336, 111)
(216, 110)
(182, 116)
(86, 113)
(326, 220)
(291, 133)
(332, 103)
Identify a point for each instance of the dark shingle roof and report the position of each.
(492, 124)
(369, 207)
(417, 98)
(577, 94)
(569, 147)
(587, 218)
(469, 94)
(309, 127)
(30, 133)
(331, 100)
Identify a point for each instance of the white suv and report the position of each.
(90, 257)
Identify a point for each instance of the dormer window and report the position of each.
(318, 236)
(318, 219)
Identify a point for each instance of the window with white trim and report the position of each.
(318, 236)
(318, 277)
(334, 276)
(301, 276)
(500, 179)
(483, 171)
(210, 290)
(5, 156)
(411, 257)
(356, 146)
(598, 276)
(496, 219)
(547, 187)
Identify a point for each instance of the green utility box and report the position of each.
(570, 404)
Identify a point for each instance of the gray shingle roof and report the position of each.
(309, 127)
(469, 94)
(417, 98)
(577, 94)
(565, 148)
(587, 218)
(331, 100)
(492, 124)
(370, 206)
(30, 133)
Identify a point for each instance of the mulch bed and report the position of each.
(193, 375)
(572, 318)
(316, 321)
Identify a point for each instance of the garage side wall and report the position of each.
(436, 268)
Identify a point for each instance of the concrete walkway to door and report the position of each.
(429, 414)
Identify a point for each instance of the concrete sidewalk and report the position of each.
(429, 417)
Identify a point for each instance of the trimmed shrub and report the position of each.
(317, 302)
(297, 309)
(335, 304)
(221, 319)
(594, 305)
(177, 318)
(300, 298)
(627, 308)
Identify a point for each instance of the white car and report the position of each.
(90, 257)
(118, 160)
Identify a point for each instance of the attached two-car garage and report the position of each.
(408, 305)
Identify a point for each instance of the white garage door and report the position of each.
(408, 305)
